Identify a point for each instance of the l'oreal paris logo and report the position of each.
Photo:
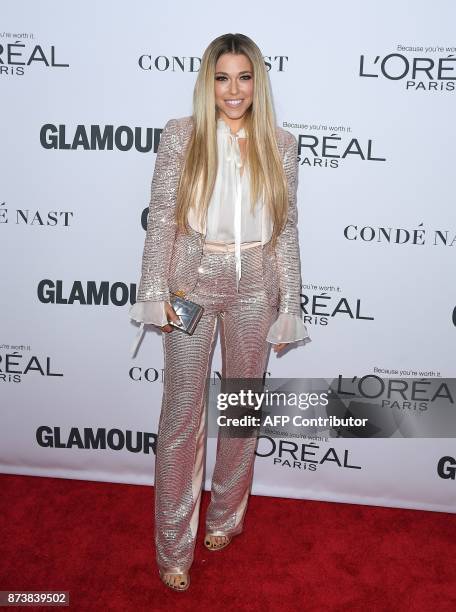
(418, 71)
(18, 53)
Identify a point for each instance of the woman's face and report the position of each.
(233, 86)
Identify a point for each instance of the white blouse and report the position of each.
(230, 221)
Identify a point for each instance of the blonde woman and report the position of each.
(222, 230)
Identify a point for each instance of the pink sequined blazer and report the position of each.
(171, 258)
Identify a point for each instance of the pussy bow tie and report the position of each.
(232, 154)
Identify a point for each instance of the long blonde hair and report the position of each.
(199, 171)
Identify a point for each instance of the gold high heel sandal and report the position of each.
(211, 545)
(182, 585)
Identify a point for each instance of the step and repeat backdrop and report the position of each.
(368, 91)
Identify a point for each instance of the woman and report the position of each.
(222, 230)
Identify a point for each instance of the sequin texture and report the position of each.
(171, 258)
(270, 282)
(245, 318)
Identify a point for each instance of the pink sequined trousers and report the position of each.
(245, 318)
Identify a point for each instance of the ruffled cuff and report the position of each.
(288, 328)
(149, 312)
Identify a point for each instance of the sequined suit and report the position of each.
(171, 258)
(270, 282)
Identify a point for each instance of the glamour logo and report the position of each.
(419, 73)
(17, 56)
(50, 218)
(103, 138)
(303, 456)
(183, 63)
(14, 364)
(446, 468)
(100, 438)
(416, 236)
(95, 293)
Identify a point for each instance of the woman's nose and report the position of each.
(234, 87)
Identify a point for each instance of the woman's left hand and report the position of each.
(278, 347)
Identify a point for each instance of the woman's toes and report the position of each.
(216, 541)
(181, 581)
(177, 580)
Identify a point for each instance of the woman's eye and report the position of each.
(244, 77)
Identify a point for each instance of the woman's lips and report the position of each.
(233, 103)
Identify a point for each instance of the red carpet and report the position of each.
(95, 540)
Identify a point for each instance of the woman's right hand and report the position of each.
(171, 316)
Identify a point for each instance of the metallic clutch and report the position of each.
(188, 312)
